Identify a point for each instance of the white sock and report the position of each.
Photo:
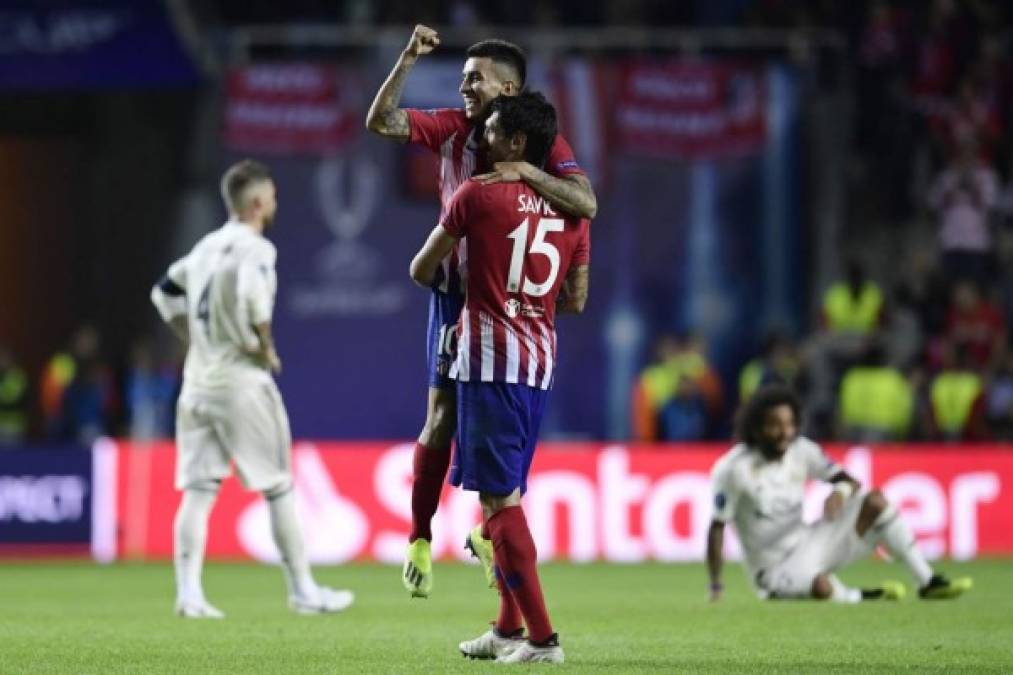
(891, 531)
(288, 539)
(190, 532)
(842, 593)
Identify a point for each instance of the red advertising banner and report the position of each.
(292, 108)
(585, 502)
(691, 108)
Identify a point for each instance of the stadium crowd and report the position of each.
(915, 348)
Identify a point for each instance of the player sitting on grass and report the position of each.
(759, 485)
(521, 254)
(219, 299)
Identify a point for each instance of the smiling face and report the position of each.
(482, 80)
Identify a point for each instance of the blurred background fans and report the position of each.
(818, 193)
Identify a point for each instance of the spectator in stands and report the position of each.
(853, 307)
(999, 402)
(971, 121)
(876, 400)
(977, 324)
(779, 363)
(678, 397)
(150, 394)
(13, 400)
(652, 390)
(683, 417)
(963, 196)
(78, 396)
(957, 397)
(902, 335)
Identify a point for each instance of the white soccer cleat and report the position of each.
(550, 652)
(323, 601)
(198, 609)
(490, 645)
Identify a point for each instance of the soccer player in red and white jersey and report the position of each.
(492, 68)
(522, 254)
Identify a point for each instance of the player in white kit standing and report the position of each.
(219, 299)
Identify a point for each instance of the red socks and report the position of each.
(510, 619)
(516, 560)
(429, 472)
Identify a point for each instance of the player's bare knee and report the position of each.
(204, 486)
(492, 504)
(822, 589)
(279, 490)
(875, 503)
(441, 420)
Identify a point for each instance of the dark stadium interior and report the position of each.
(102, 178)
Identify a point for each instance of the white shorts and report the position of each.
(825, 546)
(245, 423)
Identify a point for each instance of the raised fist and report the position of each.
(423, 40)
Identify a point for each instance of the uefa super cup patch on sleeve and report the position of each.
(720, 500)
(568, 164)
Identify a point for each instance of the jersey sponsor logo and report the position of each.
(533, 312)
(568, 164)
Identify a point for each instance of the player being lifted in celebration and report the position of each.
(492, 68)
(759, 486)
(219, 299)
(525, 262)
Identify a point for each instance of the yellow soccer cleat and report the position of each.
(417, 573)
(893, 590)
(482, 549)
(941, 588)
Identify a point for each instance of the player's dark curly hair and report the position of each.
(749, 421)
(505, 53)
(531, 113)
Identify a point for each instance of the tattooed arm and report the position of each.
(573, 294)
(385, 117)
(572, 194)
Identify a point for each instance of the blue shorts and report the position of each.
(441, 337)
(497, 430)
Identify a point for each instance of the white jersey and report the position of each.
(763, 498)
(228, 281)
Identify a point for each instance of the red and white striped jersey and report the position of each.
(519, 253)
(449, 132)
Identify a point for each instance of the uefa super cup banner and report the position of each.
(585, 502)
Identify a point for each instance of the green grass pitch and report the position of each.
(82, 618)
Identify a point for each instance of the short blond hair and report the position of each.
(238, 178)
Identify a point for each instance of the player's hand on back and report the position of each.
(423, 40)
(503, 172)
(273, 362)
